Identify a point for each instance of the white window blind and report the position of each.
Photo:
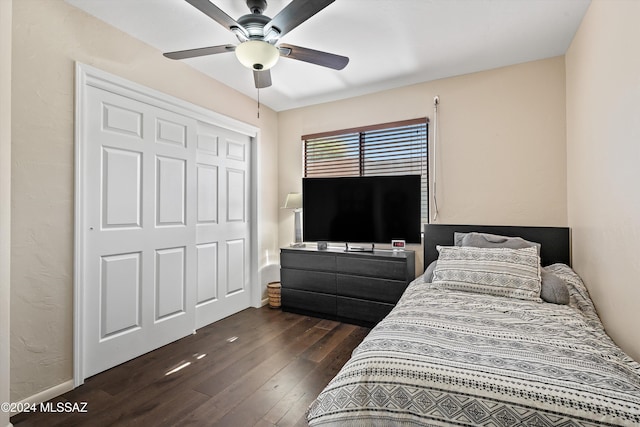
(398, 148)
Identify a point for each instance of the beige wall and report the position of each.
(603, 173)
(501, 152)
(5, 201)
(48, 36)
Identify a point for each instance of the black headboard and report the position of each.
(555, 241)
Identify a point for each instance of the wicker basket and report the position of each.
(273, 292)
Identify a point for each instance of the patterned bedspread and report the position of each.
(448, 358)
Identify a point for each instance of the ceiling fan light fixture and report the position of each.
(257, 55)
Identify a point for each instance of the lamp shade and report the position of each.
(257, 55)
(293, 201)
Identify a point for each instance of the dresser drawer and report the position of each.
(308, 261)
(308, 302)
(314, 281)
(373, 267)
(370, 288)
(361, 311)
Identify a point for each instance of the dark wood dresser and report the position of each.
(353, 287)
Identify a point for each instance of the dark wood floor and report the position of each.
(267, 376)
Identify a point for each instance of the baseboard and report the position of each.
(47, 394)
(265, 301)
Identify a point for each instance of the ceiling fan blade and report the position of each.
(317, 57)
(217, 14)
(262, 78)
(202, 51)
(294, 14)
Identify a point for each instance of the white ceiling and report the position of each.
(390, 43)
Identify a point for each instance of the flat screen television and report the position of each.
(370, 209)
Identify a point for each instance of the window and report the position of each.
(398, 148)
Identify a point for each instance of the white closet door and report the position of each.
(140, 261)
(222, 235)
(162, 220)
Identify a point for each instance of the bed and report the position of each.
(449, 354)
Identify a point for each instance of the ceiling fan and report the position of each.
(258, 35)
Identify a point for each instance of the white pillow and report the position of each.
(513, 273)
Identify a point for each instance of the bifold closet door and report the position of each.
(223, 223)
(140, 260)
(163, 222)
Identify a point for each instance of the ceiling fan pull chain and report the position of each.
(258, 90)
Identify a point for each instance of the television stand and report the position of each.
(355, 287)
(359, 248)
